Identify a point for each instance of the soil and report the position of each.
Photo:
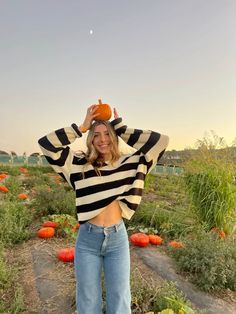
(49, 285)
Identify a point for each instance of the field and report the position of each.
(33, 280)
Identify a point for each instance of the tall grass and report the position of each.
(209, 178)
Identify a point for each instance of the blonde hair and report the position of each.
(92, 155)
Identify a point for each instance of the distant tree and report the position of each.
(3, 153)
(34, 155)
(13, 153)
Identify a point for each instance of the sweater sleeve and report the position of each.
(56, 150)
(151, 144)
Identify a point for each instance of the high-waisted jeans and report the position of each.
(102, 248)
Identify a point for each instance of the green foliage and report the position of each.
(11, 170)
(213, 194)
(208, 260)
(209, 180)
(147, 296)
(37, 180)
(171, 223)
(15, 187)
(11, 296)
(67, 225)
(58, 200)
(14, 218)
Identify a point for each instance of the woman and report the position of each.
(108, 188)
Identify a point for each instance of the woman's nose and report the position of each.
(102, 138)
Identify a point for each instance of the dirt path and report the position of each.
(163, 266)
(49, 285)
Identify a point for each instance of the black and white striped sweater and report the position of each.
(123, 181)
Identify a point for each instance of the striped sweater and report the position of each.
(122, 181)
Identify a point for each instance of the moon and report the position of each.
(91, 32)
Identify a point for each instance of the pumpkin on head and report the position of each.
(103, 110)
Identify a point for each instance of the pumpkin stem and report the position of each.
(99, 101)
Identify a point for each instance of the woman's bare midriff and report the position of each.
(109, 216)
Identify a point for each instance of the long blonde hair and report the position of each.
(92, 155)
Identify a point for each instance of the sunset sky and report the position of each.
(166, 65)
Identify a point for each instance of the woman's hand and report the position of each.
(115, 113)
(91, 114)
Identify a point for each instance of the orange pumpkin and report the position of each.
(219, 232)
(46, 232)
(76, 227)
(155, 239)
(139, 239)
(66, 255)
(176, 244)
(52, 224)
(23, 170)
(2, 176)
(103, 110)
(22, 196)
(4, 189)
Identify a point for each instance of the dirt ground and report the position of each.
(49, 285)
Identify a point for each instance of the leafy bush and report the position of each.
(147, 296)
(209, 261)
(11, 295)
(14, 218)
(59, 200)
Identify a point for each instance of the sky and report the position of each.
(165, 65)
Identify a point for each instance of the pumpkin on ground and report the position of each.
(23, 170)
(103, 110)
(46, 232)
(2, 176)
(176, 244)
(66, 255)
(52, 224)
(22, 196)
(219, 232)
(139, 239)
(155, 239)
(76, 227)
(4, 189)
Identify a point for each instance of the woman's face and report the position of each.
(102, 141)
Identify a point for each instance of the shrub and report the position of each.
(11, 295)
(14, 218)
(209, 261)
(147, 296)
(58, 200)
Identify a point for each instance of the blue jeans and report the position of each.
(102, 248)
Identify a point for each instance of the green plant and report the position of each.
(147, 296)
(14, 219)
(209, 261)
(11, 295)
(67, 225)
(213, 195)
(57, 200)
